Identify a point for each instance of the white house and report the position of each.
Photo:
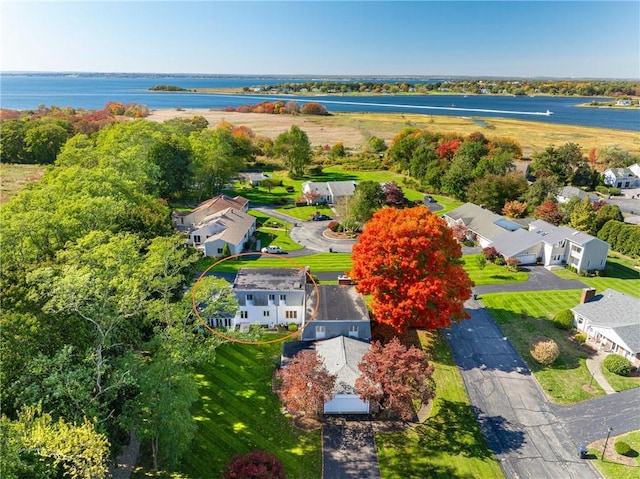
(566, 193)
(186, 220)
(270, 296)
(620, 178)
(229, 226)
(328, 192)
(564, 245)
(341, 356)
(612, 321)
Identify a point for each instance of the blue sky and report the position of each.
(479, 38)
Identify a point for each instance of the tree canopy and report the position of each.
(409, 262)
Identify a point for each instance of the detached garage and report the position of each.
(341, 357)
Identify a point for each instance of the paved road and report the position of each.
(515, 417)
(349, 450)
(588, 421)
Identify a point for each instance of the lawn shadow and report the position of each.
(451, 430)
(500, 435)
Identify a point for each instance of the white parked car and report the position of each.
(272, 249)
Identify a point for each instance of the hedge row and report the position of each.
(623, 238)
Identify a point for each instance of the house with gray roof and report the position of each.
(612, 321)
(621, 177)
(229, 226)
(330, 192)
(567, 193)
(270, 296)
(340, 356)
(337, 310)
(482, 224)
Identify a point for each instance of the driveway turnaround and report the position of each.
(540, 279)
(515, 417)
(348, 449)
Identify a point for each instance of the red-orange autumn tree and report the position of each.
(410, 263)
(393, 377)
(306, 384)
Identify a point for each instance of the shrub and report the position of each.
(622, 447)
(293, 327)
(255, 465)
(564, 319)
(544, 351)
(500, 261)
(490, 253)
(333, 226)
(617, 365)
(580, 338)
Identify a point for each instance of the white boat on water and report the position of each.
(549, 113)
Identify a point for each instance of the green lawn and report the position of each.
(321, 262)
(526, 316)
(620, 383)
(448, 444)
(305, 213)
(613, 470)
(619, 274)
(491, 274)
(238, 412)
(259, 195)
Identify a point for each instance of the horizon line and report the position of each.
(315, 75)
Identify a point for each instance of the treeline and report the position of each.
(282, 107)
(168, 88)
(623, 237)
(97, 339)
(36, 136)
(613, 88)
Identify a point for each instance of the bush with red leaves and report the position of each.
(255, 465)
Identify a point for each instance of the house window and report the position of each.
(244, 314)
(265, 314)
(321, 331)
(272, 297)
(219, 250)
(291, 314)
(196, 239)
(283, 297)
(249, 297)
(576, 249)
(353, 331)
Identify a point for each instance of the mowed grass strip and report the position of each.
(523, 317)
(321, 262)
(619, 274)
(238, 413)
(449, 444)
(620, 383)
(491, 273)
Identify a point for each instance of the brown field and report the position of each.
(14, 177)
(353, 129)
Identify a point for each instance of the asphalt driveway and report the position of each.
(515, 417)
(348, 449)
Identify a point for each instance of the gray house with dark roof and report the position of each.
(329, 192)
(339, 311)
(611, 320)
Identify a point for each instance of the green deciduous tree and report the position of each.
(294, 147)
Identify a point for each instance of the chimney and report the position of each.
(587, 295)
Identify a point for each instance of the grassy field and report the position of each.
(14, 177)
(491, 274)
(354, 129)
(238, 412)
(526, 316)
(321, 262)
(448, 444)
(619, 274)
(611, 469)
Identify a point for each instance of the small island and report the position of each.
(168, 88)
